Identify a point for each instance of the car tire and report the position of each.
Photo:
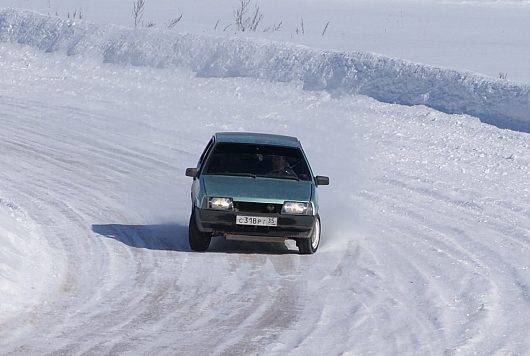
(310, 245)
(199, 241)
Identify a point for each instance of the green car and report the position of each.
(254, 187)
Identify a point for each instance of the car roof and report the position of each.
(257, 138)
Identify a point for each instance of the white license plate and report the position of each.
(256, 221)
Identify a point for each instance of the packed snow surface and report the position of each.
(426, 240)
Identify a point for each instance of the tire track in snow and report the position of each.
(85, 252)
(464, 246)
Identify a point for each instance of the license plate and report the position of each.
(256, 221)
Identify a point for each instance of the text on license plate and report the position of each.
(256, 221)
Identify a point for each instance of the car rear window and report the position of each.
(258, 160)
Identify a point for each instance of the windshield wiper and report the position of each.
(295, 177)
(287, 175)
(238, 174)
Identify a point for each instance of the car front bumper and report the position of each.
(224, 223)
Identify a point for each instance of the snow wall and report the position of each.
(498, 102)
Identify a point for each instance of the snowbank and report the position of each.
(499, 102)
(25, 264)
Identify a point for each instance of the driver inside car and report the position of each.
(279, 164)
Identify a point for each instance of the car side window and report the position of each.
(205, 152)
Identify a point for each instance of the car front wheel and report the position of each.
(310, 245)
(199, 241)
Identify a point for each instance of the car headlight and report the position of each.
(297, 208)
(221, 203)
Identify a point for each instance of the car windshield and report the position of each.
(258, 161)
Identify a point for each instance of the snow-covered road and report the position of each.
(426, 236)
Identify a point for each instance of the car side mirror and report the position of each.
(322, 180)
(191, 172)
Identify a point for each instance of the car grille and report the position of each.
(267, 230)
(247, 207)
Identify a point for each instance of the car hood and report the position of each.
(267, 190)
